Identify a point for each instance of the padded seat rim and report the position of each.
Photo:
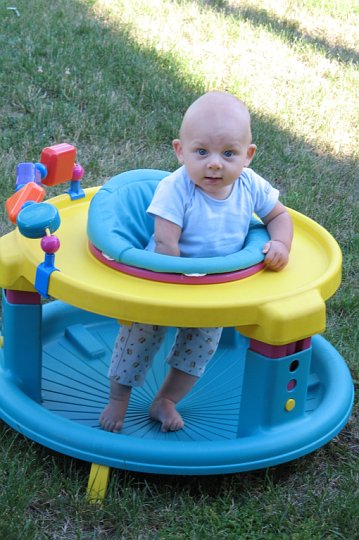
(249, 255)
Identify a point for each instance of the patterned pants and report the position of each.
(136, 346)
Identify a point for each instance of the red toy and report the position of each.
(59, 161)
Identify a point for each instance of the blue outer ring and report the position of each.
(260, 450)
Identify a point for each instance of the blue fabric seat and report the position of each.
(119, 226)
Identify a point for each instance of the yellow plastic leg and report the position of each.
(98, 482)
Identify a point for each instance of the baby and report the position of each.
(203, 209)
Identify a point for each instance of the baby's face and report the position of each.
(215, 149)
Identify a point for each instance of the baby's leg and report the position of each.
(190, 354)
(135, 348)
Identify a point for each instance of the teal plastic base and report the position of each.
(76, 352)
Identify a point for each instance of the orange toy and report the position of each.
(59, 161)
(30, 192)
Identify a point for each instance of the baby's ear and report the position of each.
(251, 150)
(177, 147)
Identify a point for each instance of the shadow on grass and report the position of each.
(286, 29)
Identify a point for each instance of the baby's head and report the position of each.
(215, 142)
(217, 109)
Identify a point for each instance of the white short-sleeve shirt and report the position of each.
(211, 227)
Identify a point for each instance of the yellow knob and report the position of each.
(290, 404)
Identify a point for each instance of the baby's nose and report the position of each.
(215, 162)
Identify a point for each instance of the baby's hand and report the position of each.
(277, 255)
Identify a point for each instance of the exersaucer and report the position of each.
(274, 391)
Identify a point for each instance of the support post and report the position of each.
(275, 384)
(22, 322)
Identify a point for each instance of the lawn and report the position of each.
(113, 77)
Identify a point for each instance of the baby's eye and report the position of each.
(201, 152)
(228, 153)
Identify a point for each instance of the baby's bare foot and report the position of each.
(112, 417)
(164, 410)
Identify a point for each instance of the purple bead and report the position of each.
(50, 244)
(77, 172)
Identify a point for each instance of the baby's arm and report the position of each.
(280, 229)
(167, 235)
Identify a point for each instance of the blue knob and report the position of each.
(34, 219)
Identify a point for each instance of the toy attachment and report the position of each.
(40, 221)
(57, 166)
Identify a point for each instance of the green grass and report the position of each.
(114, 78)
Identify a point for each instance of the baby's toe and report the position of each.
(166, 426)
(176, 424)
(117, 427)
